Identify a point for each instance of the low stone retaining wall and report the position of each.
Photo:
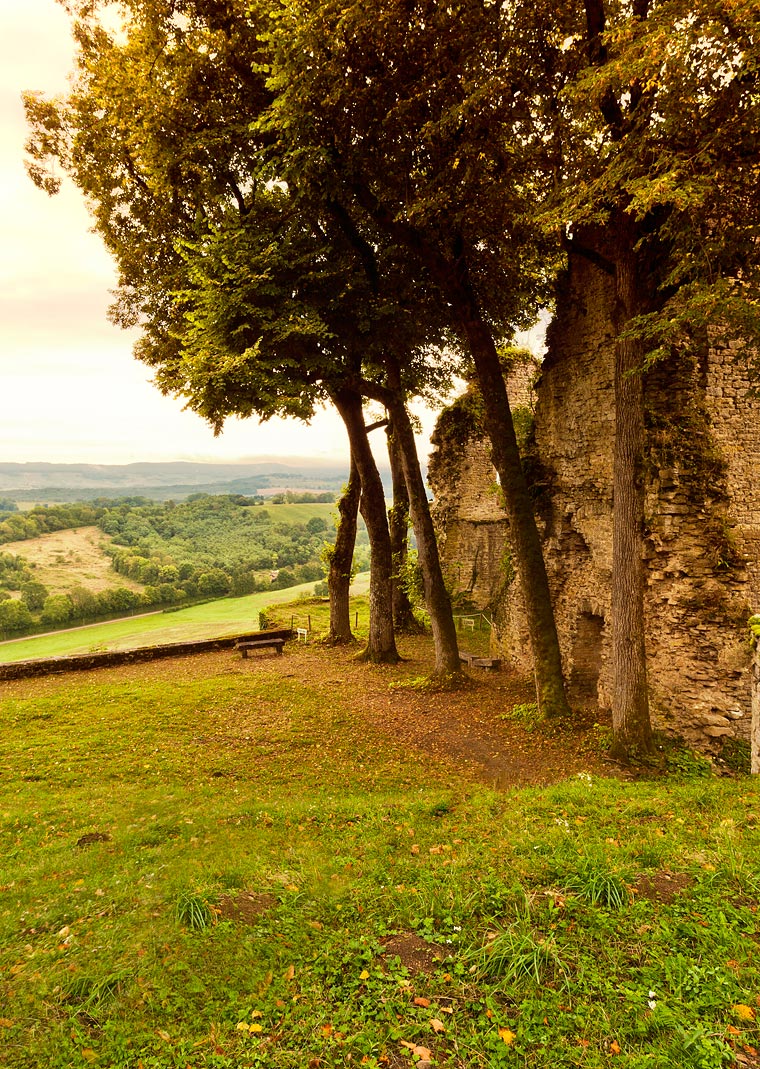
(84, 661)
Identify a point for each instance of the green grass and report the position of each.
(197, 785)
(215, 619)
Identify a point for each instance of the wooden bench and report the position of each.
(260, 644)
(472, 660)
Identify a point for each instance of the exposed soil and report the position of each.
(416, 955)
(247, 907)
(662, 887)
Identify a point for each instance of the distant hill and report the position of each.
(49, 482)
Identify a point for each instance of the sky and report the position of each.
(70, 389)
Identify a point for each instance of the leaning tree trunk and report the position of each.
(381, 646)
(631, 727)
(398, 526)
(436, 596)
(523, 533)
(340, 559)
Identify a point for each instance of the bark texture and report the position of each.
(631, 725)
(436, 596)
(398, 526)
(381, 646)
(341, 558)
(523, 532)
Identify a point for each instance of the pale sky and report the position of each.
(70, 389)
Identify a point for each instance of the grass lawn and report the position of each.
(215, 863)
(214, 619)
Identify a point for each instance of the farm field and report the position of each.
(304, 861)
(215, 619)
(63, 559)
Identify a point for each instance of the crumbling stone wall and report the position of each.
(702, 510)
(468, 510)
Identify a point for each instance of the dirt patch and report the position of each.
(419, 957)
(93, 837)
(662, 887)
(247, 907)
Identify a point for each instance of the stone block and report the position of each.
(719, 732)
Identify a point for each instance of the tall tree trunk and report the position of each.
(436, 596)
(523, 532)
(631, 727)
(381, 647)
(398, 526)
(341, 558)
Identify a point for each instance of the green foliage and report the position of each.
(460, 422)
(597, 884)
(682, 761)
(526, 714)
(42, 519)
(193, 911)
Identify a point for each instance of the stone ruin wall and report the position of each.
(703, 515)
(471, 522)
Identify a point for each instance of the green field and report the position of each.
(210, 863)
(215, 619)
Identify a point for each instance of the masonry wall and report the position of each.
(702, 508)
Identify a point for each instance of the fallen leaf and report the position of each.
(88, 1054)
(420, 1001)
(6, 1022)
(436, 1025)
(255, 1028)
(290, 972)
(242, 1026)
(418, 1052)
(163, 1035)
(743, 1012)
(507, 1035)
(614, 1047)
(364, 975)
(415, 849)
(256, 1013)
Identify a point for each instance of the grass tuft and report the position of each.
(193, 911)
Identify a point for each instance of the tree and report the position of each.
(339, 558)
(411, 116)
(249, 296)
(398, 525)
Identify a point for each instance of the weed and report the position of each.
(193, 911)
(519, 955)
(436, 684)
(736, 756)
(525, 714)
(686, 763)
(598, 885)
